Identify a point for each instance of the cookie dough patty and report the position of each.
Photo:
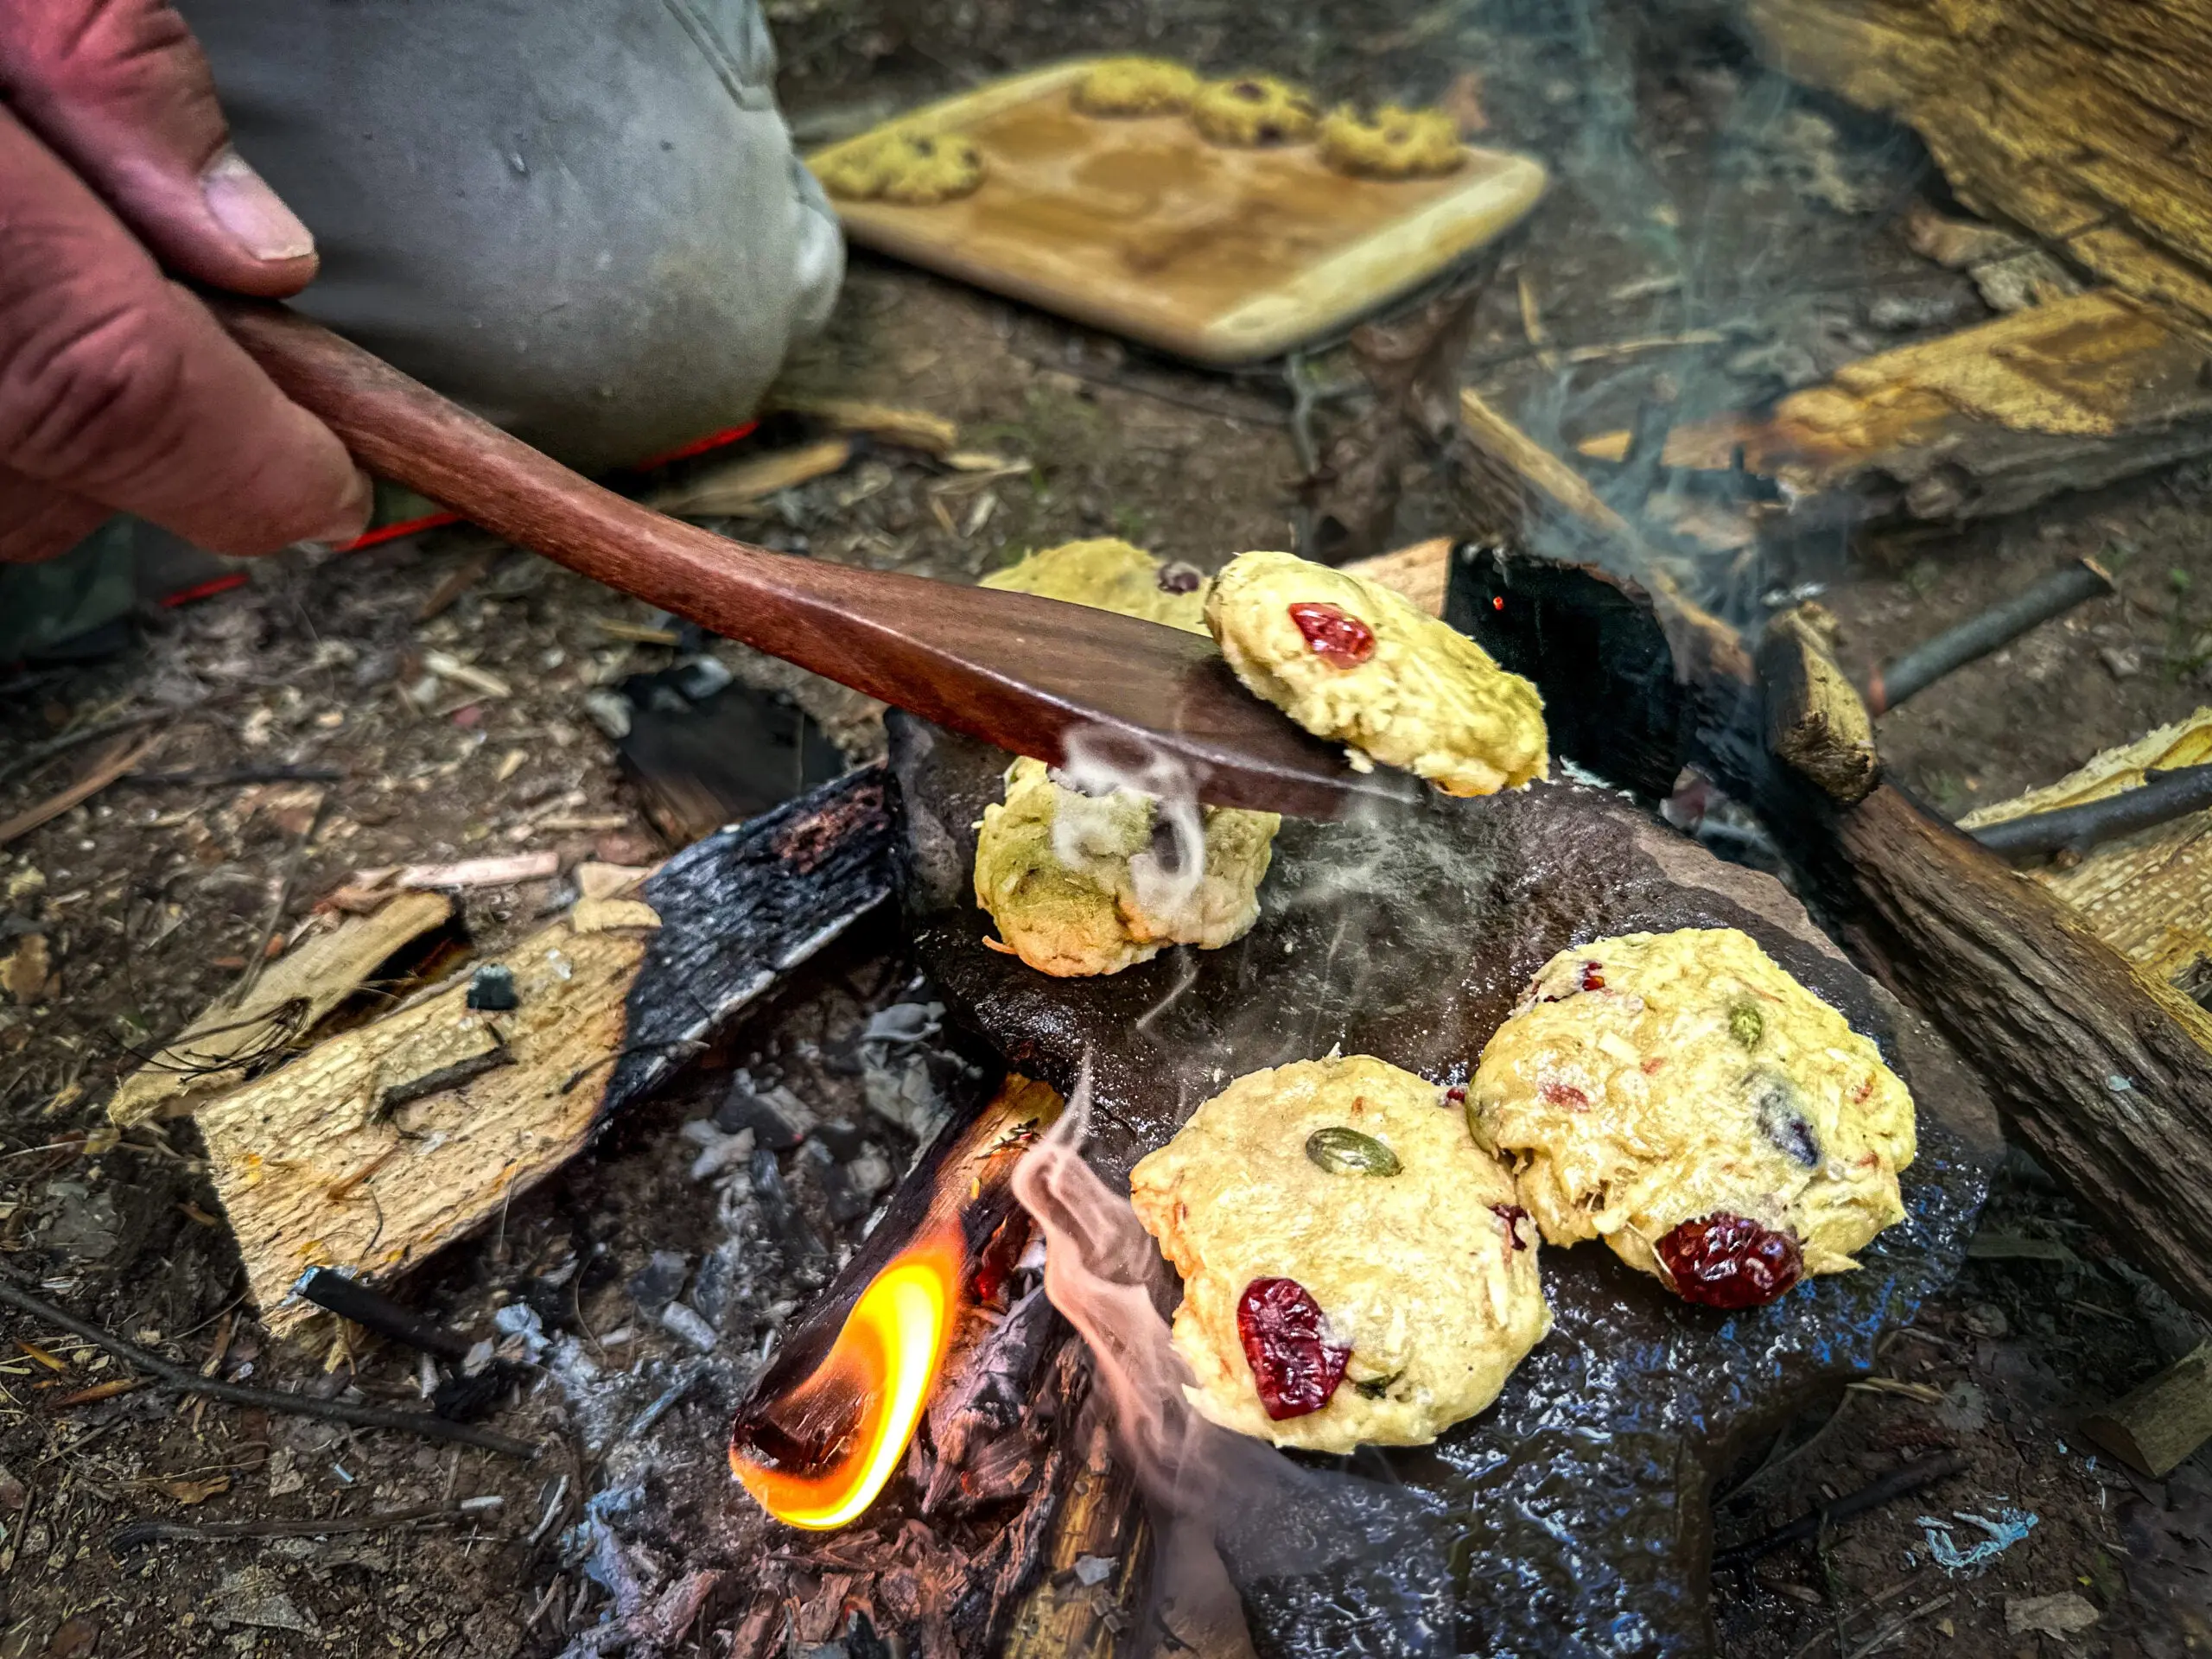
(1091, 884)
(1350, 660)
(1683, 1098)
(1112, 575)
(1396, 143)
(1254, 110)
(1136, 86)
(913, 168)
(1355, 1268)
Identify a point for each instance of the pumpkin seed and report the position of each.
(1746, 1024)
(1347, 1151)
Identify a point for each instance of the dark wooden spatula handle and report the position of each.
(1019, 671)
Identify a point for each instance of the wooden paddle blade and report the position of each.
(1035, 676)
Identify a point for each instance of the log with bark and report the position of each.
(2084, 123)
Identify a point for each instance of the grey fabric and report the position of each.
(582, 218)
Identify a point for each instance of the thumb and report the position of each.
(121, 91)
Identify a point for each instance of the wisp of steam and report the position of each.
(1099, 766)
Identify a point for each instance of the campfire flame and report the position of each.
(844, 1430)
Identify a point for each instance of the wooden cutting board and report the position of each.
(1144, 228)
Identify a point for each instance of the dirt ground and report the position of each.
(1695, 195)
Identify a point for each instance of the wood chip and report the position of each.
(596, 880)
(730, 489)
(1419, 573)
(291, 997)
(2163, 1422)
(26, 973)
(912, 428)
(605, 915)
(446, 666)
(477, 872)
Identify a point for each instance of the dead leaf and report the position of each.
(74, 1639)
(189, 1492)
(26, 973)
(2065, 1614)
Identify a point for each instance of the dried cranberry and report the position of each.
(1295, 1366)
(1512, 1215)
(1592, 980)
(1563, 1094)
(1342, 641)
(1457, 1094)
(1724, 1261)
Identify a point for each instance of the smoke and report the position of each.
(1229, 1513)
(1100, 769)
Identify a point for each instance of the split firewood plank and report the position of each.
(2148, 895)
(1419, 573)
(2083, 124)
(293, 994)
(2068, 395)
(2164, 1422)
(378, 1146)
(328, 1163)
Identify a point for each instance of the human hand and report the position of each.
(118, 390)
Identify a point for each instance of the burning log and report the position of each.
(829, 1419)
(2103, 1071)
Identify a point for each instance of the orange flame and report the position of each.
(870, 1386)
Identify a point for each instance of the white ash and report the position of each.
(717, 1151)
(681, 1320)
(524, 1331)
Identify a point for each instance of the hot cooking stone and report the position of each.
(1572, 1518)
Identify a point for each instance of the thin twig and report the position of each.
(32, 758)
(1996, 627)
(119, 760)
(1903, 1619)
(131, 1536)
(236, 1394)
(2163, 797)
(220, 777)
(1898, 1483)
(258, 958)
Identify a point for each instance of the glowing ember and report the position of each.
(840, 1434)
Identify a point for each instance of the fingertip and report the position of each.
(353, 514)
(255, 219)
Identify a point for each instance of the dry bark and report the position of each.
(1987, 420)
(2088, 125)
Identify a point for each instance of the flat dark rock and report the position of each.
(1573, 1516)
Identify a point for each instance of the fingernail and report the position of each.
(352, 518)
(244, 205)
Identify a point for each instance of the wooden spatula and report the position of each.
(1022, 672)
